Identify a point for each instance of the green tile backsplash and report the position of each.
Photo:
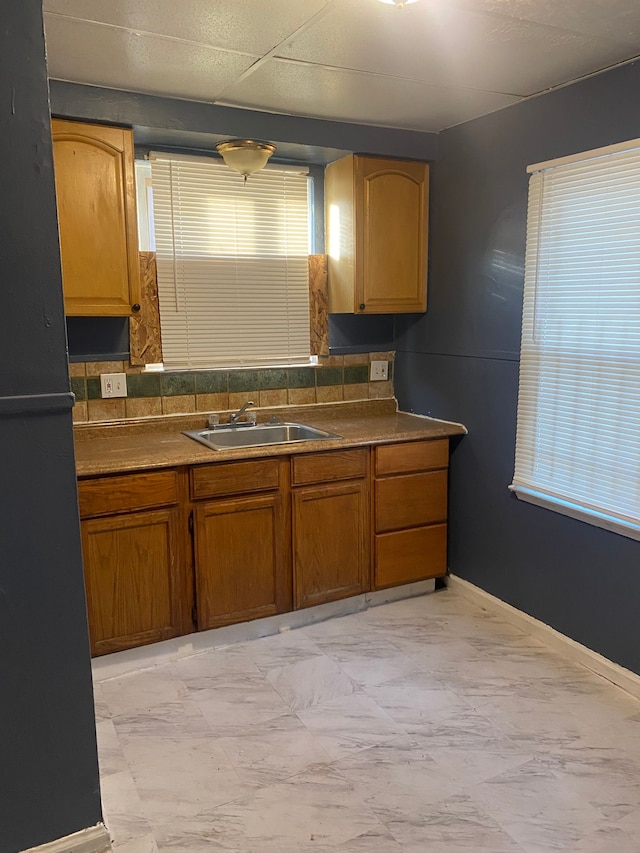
(243, 380)
(329, 376)
(272, 379)
(212, 382)
(301, 377)
(93, 388)
(356, 373)
(175, 384)
(149, 394)
(79, 387)
(144, 385)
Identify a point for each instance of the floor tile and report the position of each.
(349, 724)
(310, 682)
(183, 777)
(110, 755)
(453, 825)
(231, 704)
(421, 725)
(317, 806)
(277, 750)
(122, 807)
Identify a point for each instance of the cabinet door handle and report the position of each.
(135, 307)
(361, 306)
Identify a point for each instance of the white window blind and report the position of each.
(232, 259)
(578, 430)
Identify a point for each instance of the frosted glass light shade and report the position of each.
(398, 2)
(245, 156)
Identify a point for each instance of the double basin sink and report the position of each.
(229, 436)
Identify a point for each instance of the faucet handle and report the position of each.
(213, 420)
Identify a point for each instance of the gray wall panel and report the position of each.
(460, 361)
(48, 762)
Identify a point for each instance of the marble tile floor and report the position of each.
(423, 726)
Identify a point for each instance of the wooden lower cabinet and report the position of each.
(330, 526)
(132, 579)
(410, 555)
(410, 512)
(267, 535)
(241, 560)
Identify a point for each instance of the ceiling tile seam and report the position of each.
(341, 68)
(270, 53)
(162, 36)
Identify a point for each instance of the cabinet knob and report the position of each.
(361, 306)
(135, 307)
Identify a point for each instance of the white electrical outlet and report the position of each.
(113, 384)
(379, 371)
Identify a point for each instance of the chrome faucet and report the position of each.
(235, 418)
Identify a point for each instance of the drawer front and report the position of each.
(411, 500)
(410, 555)
(234, 478)
(412, 456)
(325, 467)
(110, 495)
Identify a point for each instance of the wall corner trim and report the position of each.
(93, 839)
(574, 651)
(36, 404)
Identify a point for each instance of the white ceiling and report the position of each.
(425, 67)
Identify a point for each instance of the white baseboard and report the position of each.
(118, 664)
(93, 839)
(613, 672)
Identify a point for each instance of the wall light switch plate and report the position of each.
(113, 384)
(379, 371)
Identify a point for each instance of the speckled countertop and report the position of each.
(158, 442)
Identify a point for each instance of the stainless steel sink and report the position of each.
(228, 436)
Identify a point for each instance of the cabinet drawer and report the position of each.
(410, 555)
(234, 478)
(110, 495)
(412, 456)
(324, 467)
(411, 500)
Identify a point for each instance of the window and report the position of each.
(232, 262)
(578, 433)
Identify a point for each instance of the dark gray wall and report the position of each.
(460, 361)
(191, 124)
(48, 764)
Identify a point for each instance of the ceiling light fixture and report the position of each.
(245, 155)
(398, 2)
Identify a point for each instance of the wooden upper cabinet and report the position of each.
(377, 235)
(95, 188)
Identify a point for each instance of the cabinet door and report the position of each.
(391, 235)
(242, 566)
(132, 579)
(95, 188)
(330, 542)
